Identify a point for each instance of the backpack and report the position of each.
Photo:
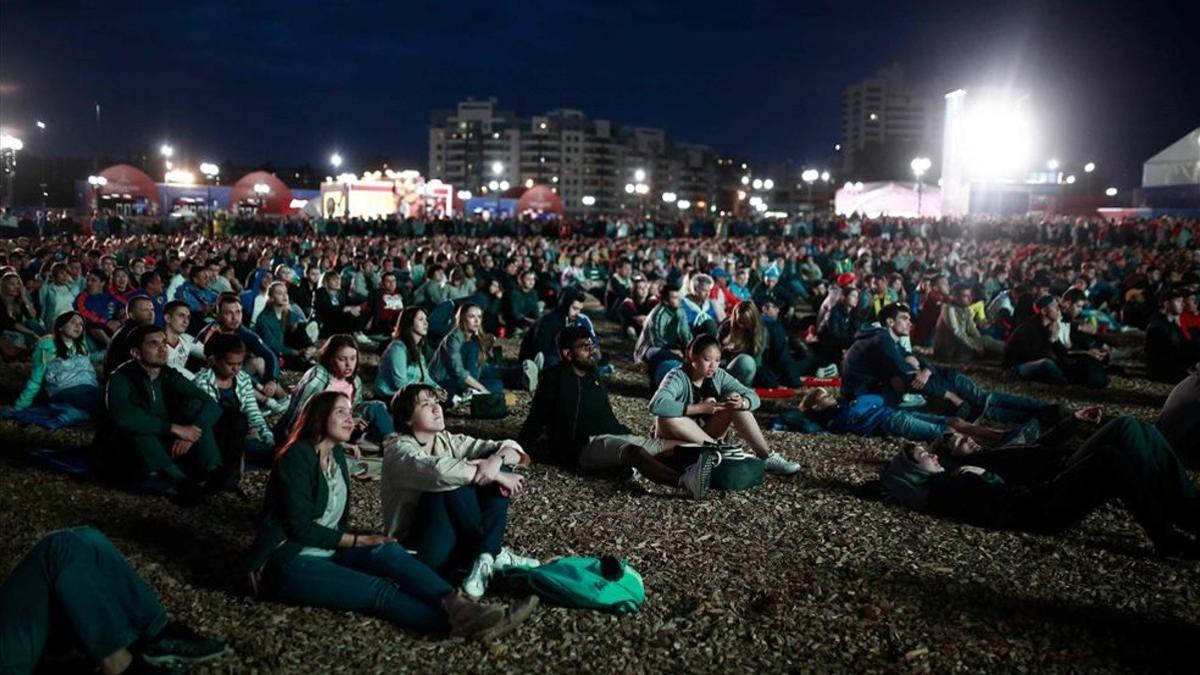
(605, 584)
(736, 470)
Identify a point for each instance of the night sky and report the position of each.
(289, 82)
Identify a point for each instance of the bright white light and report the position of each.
(741, 195)
(768, 184)
(347, 178)
(1089, 167)
(920, 165)
(1070, 180)
(761, 207)
(464, 195)
(494, 185)
(262, 189)
(848, 186)
(755, 201)
(1111, 192)
(209, 169)
(825, 176)
(41, 125)
(837, 146)
(497, 168)
(181, 176)
(683, 204)
(504, 185)
(745, 180)
(97, 181)
(639, 175)
(858, 186)
(810, 175)
(629, 188)
(642, 188)
(669, 197)
(10, 142)
(997, 137)
(757, 184)
(588, 200)
(1052, 165)
(528, 182)
(335, 159)
(166, 150)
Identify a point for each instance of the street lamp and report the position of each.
(588, 202)
(669, 197)
(1089, 167)
(1071, 180)
(639, 175)
(262, 190)
(464, 195)
(335, 160)
(166, 150)
(97, 182)
(683, 204)
(1052, 165)
(1111, 192)
(825, 176)
(768, 184)
(42, 137)
(919, 166)
(757, 184)
(210, 171)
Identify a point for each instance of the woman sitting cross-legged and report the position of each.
(337, 370)
(698, 401)
(403, 362)
(305, 553)
(445, 495)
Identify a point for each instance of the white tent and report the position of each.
(1178, 164)
(889, 199)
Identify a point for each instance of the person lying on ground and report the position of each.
(305, 553)
(1029, 489)
(446, 496)
(698, 402)
(867, 415)
(73, 587)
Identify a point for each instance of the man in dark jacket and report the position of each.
(571, 408)
(1035, 350)
(162, 423)
(141, 313)
(521, 304)
(542, 337)
(1169, 353)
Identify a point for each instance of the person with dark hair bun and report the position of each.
(698, 402)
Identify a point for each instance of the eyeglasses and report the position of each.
(584, 346)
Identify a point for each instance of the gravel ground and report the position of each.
(798, 575)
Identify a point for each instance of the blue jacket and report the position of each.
(862, 416)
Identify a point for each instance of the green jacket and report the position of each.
(139, 406)
(295, 498)
(521, 305)
(664, 327)
(674, 393)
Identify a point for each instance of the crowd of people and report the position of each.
(195, 352)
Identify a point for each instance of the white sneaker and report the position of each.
(506, 558)
(475, 585)
(540, 360)
(362, 339)
(530, 370)
(780, 465)
(631, 333)
(695, 478)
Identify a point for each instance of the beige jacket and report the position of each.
(409, 471)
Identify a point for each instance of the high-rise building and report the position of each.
(885, 124)
(576, 156)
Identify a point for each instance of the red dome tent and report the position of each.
(279, 199)
(128, 183)
(539, 199)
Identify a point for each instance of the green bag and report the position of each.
(489, 406)
(605, 584)
(736, 470)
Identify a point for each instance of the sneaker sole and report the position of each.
(174, 660)
(708, 460)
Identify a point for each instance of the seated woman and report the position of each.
(446, 496)
(490, 298)
(698, 401)
(283, 329)
(62, 365)
(337, 370)
(757, 349)
(403, 362)
(306, 555)
(1034, 491)
(19, 325)
(867, 415)
(460, 365)
(332, 309)
(843, 321)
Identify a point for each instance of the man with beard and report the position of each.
(572, 409)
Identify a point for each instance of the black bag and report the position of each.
(489, 406)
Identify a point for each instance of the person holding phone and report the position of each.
(698, 401)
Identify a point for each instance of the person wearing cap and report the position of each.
(1036, 351)
(1049, 490)
(769, 289)
(1169, 353)
(721, 294)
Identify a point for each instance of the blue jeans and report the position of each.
(915, 426)
(74, 584)
(743, 368)
(379, 420)
(383, 581)
(659, 362)
(1013, 409)
(455, 527)
(494, 378)
(84, 397)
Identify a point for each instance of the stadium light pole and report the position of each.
(9, 147)
(42, 137)
(810, 176)
(919, 166)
